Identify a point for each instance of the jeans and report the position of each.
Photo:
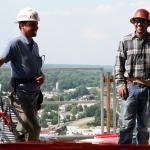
(25, 105)
(134, 112)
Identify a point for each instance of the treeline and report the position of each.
(70, 79)
(66, 79)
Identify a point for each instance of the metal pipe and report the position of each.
(108, 101)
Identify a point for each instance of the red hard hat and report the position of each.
(141, 13)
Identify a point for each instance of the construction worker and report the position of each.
(132, 75)
(27, 77)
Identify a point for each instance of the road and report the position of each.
(82, 121)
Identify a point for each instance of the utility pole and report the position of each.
(102, 100)
(58, 92)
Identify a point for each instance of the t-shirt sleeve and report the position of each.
(6, 53)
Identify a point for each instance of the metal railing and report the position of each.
(101, 101)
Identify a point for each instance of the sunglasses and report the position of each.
(32, 24)
(141, 21)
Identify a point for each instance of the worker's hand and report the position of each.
(2, 61)
(122, 90)
(40, 80)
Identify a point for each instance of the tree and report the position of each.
(90, 111)
(50, 107)
(81, 90)
(68, 117)
(74, 110)
(93, 91)
(44, 116)
(54, 120)
(97, 117)
(80, 108)
(54, 98)
(68, 108)
(67, 80)
(62, 130)
(85, 106)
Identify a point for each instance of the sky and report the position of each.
(74, 31)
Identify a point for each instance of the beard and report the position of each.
(32, 33)
(141, 29)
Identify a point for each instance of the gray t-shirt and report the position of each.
(25, 60)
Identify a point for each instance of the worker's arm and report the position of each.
(6, 54)
(120, 70)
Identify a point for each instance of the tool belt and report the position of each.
(15, 81)
(23, 80)
(141, 82)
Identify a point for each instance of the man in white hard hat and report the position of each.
(27, 77)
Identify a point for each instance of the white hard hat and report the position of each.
(27, 14)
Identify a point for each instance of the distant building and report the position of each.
(74, 130)
(57, 86)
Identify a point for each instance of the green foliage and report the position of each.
(66, 79)
(70, 79)
(62, 131)
(81, 115)
(98, 114)
(85, 106)
(50, 107)
(54, 98)
(74, 110)
(80, 91)
(93, 91)
(43, 120)
(49, 114)
(68, 108)
(54, 119)
(80, 108)
(97, 117)
(90, 111)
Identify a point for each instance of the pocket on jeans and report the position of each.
(130, 89)
(129, 85)
(127, 91)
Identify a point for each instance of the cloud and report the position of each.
(92, 34)
(103, 8)
(87, 10)
(140, 4)
(57, 13)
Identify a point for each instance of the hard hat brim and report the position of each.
(26, 21)
(132, 20)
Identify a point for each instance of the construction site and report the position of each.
(79, 132)
(75, 75)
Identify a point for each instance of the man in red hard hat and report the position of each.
(132, 76)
